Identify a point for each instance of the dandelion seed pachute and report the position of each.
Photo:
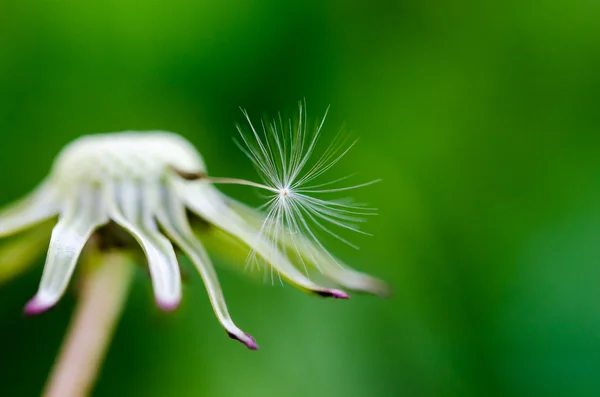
(296, 212)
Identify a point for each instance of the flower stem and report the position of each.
(102, 300)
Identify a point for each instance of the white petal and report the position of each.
(132, 207)
(208, 203)
(322, 260)
(172, 218)
(75, 225)
(38, 206)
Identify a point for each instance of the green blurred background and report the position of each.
(482, 119)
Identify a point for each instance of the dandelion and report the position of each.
(152, 184)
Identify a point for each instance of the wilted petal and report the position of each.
(132, 207)
(322, 260)
(208, 203)
(75, 225)
(172, 218)
(335, 270)
(40, 205)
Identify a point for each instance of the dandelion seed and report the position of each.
(296, 213)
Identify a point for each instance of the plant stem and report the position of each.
(101, 302)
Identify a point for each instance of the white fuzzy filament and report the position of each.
(281, 153)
